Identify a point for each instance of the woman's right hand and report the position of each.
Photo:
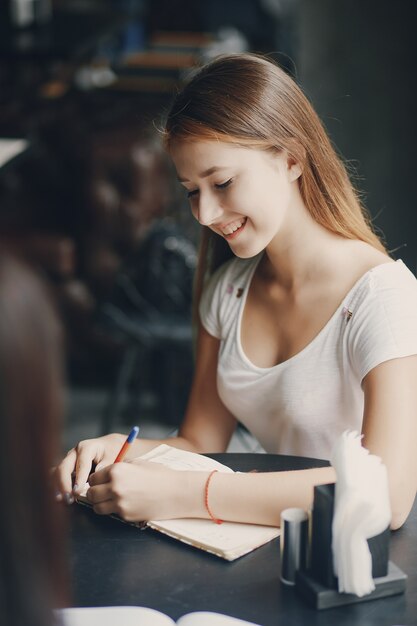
(72, 473)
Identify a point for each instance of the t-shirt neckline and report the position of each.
(337, 313)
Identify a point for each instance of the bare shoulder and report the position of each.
(359, 257)
(345, 265)
(369, 255)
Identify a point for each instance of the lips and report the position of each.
(234, 227)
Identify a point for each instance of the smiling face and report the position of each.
(242, 194)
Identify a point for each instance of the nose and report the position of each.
(208, 210)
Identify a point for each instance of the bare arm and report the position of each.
(146, 490)
(390, 428)
(207, 426)
(259, 498)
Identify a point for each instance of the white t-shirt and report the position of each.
(302, 405)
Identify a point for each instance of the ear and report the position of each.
(296, 156)
(293, 168)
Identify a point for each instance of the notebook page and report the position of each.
(183, 459)
(112, 615)
(205, 618)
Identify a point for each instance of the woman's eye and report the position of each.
(224, 185)
(192, 193)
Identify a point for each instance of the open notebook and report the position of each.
(141, 616)
(229, 540)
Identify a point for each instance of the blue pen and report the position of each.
(125, 447)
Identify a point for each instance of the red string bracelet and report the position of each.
(206, 502)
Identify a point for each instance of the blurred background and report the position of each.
(88, 197)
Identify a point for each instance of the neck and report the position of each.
(301, 250)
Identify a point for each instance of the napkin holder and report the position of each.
(318, 585)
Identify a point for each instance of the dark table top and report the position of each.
(116, 564)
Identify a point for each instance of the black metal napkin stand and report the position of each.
(318, 585)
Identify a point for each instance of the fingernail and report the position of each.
(69, 499)
(58, 496)
(75, 488)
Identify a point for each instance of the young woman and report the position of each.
(310, 329)
(32, 558)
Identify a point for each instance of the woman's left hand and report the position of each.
(141, 490)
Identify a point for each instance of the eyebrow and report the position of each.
(204, 174)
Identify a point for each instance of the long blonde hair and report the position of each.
(248, 100)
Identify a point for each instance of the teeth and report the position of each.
(233, 227)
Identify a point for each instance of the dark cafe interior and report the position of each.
(90, 201)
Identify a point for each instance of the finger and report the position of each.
(105, 508)
(101, 476)
(104, 463)
(63, 473)
(100, 493)
(85, 458)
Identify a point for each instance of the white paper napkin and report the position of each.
(362, 510)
